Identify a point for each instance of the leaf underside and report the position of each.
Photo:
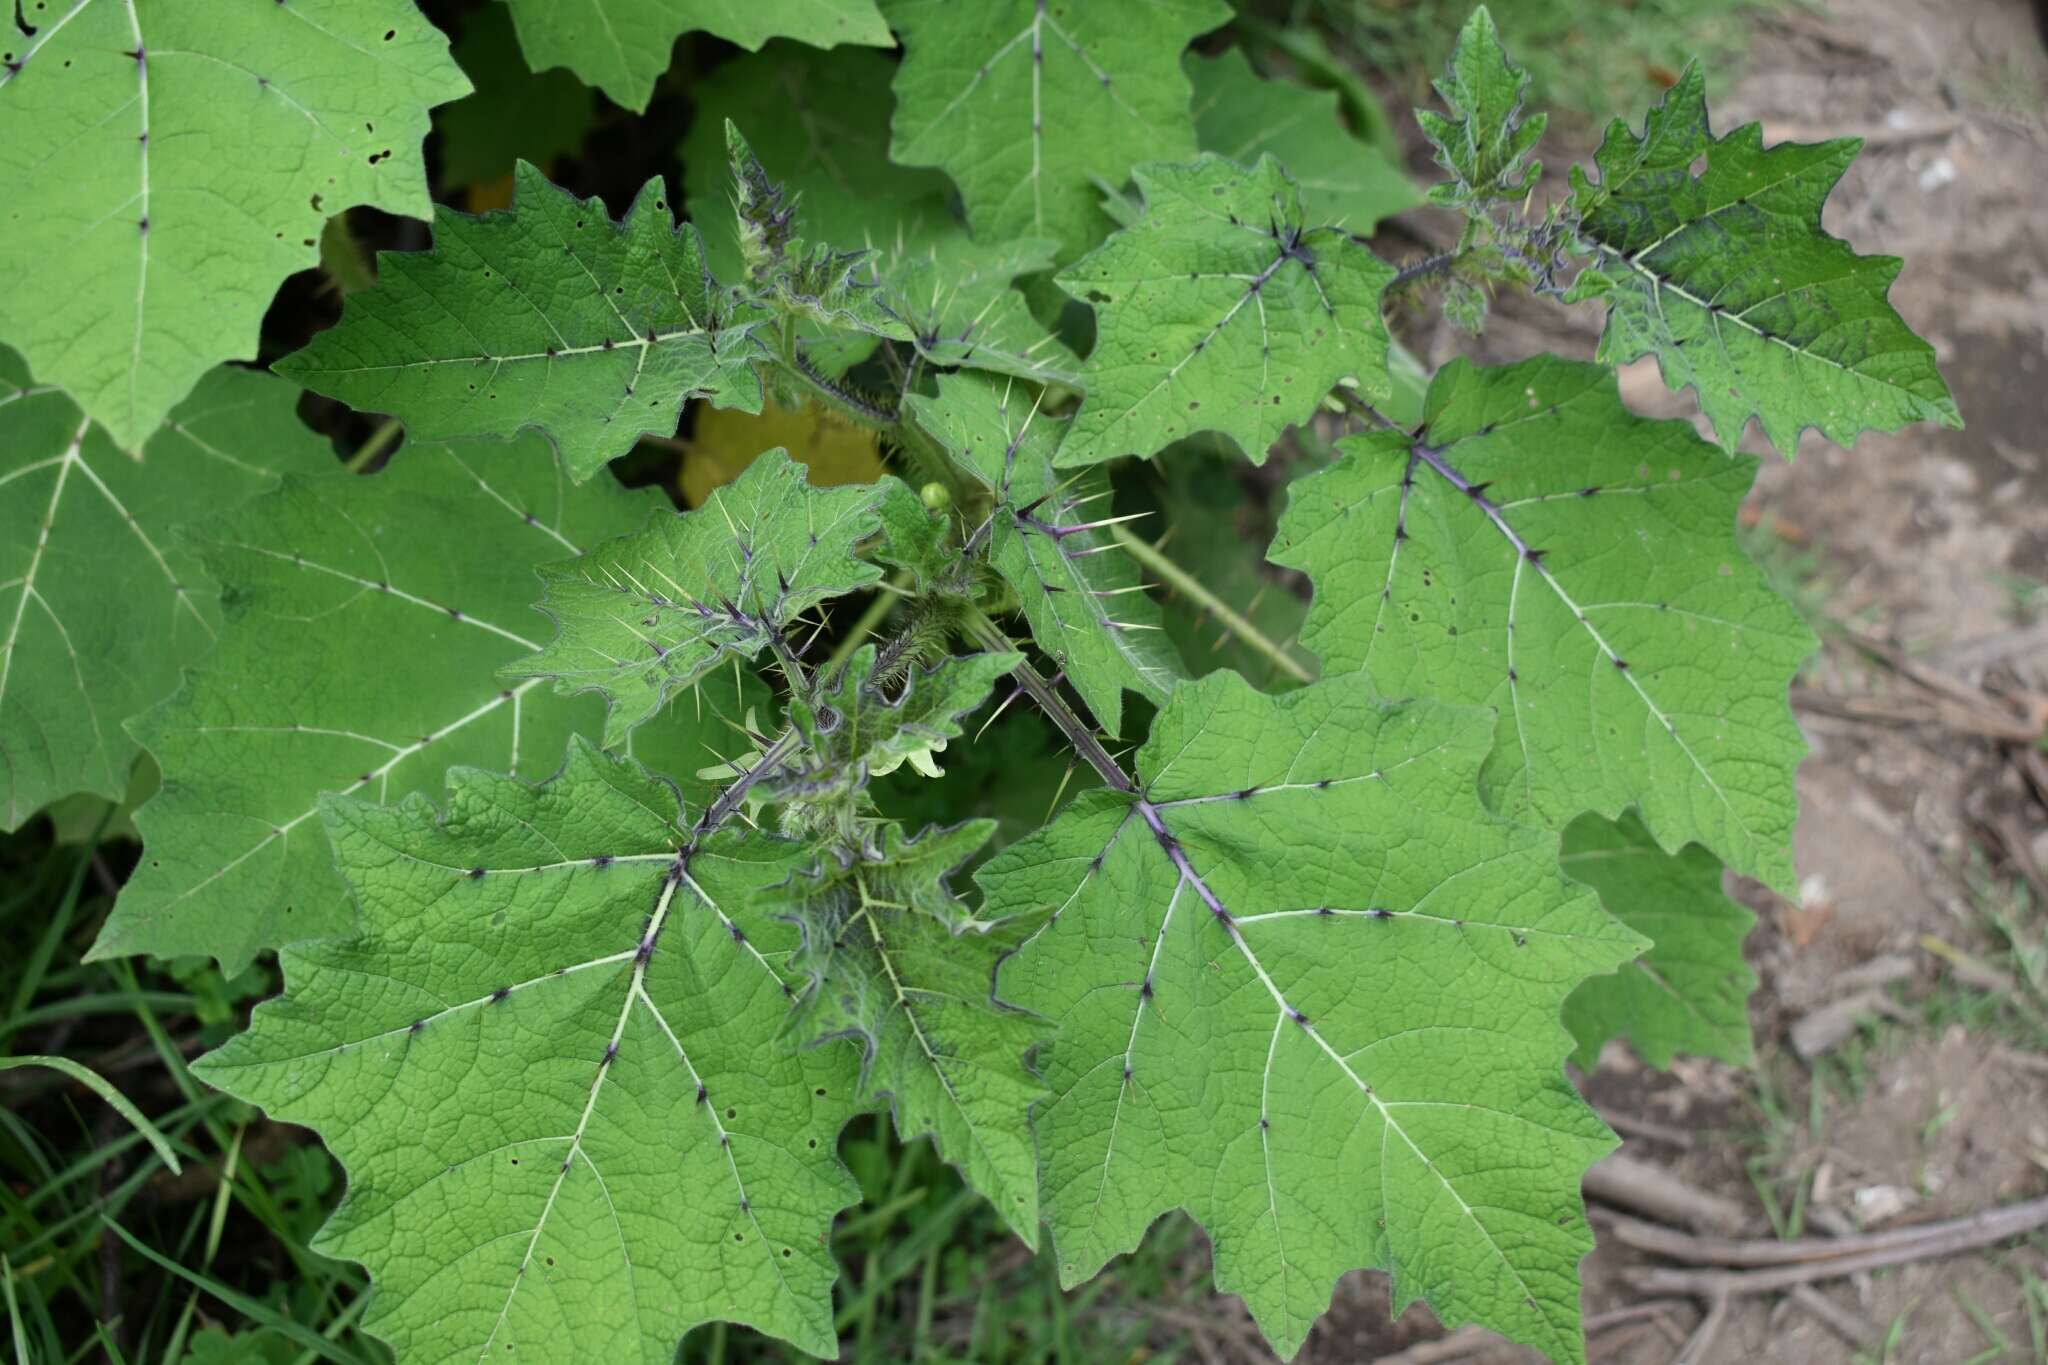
(1026, 105)
(571, 1124)
(359, 652)
(1540, 550)
(1244, 1031)
(101, 608)
(1222, 309)
(1729, 280)
(126, 281)
(544, 315)
(1080, 593)
(622, 46)
(1690, 993)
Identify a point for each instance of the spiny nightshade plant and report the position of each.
(593, 929)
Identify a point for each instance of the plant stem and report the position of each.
(870, 620)
(387, 432)
(1185, 583)
(990, 636)
(1414, 272)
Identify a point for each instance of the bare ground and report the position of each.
(1920, 797)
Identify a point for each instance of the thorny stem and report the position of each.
(728, 801)
(990, 636)
(1427, 268)
(870, 620)
(1185, 583)
(1364, 409)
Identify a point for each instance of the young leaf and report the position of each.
(1346, 182)
(1539, 549)
(165, 167)
(545, 315)
(900, 966)
(1082, 596)
(1690, 993)
(1332, 1059)
(622, 46)
(364, 623)
(571, 1125)
(100, 608)
(1485, 142)
(1223, 309)
(642, 617)
(867, 726)
(1025, 106)
(819, 121)
(1730, 281)
(953, 295)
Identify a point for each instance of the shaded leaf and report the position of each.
(1334, 1060)
(1729, 280)
(513, 114)
(547, 315)
(164, 167)
(1223, 309)
(1541, 550)
(571, 1127)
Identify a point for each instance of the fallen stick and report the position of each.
(1808, 1260)
(1649, 1189)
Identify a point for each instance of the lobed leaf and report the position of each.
(1025, 105)
(1688, 994)
(100, 608)
(1346, 182)
(898, 965)
(1307, 988)
(1539, 549)
(642, 617)
(1222, 309)
(1082, 596)
(1729, 280)
(164, 167)
(1485, 142)
(622, 46)
(545, 315)
(571, 1126)
(359, 652)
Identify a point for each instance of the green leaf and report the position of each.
(1485, 142)
(819, 121)
(858, 729)
(153, 204)
(1346, 182)
(953, 295)
(571, 1126)
(1307, 988)
(545, 315)
(1690, 993)
(1082, 596)
(513, 114)
(1543, 551)
(622, 46)
(325, 680)
(100, 608)
(1025, 106)
(642, 617)
(898, 965)
(1729, 280)
(1224, 309)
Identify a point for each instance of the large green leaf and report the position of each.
(1026, 105)
(359, 652)
(1540, 550)
(99, 606)
(642, 617)
(897, 964)
(1307, 988)
(571, 1124)
(1690, 993)
(1082, 596)
(545, 315)
(622, 46)
(1346, 182)
(1223, 309)
(1728, 279)
(164, 166)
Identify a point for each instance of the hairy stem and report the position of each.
(1185, 583)
(871, 620)
(990, 636)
